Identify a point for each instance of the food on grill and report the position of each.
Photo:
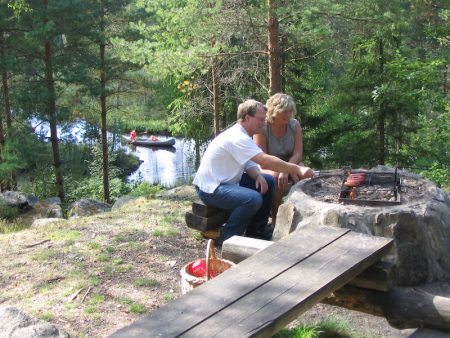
(355, 180)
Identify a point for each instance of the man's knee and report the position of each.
(256, 200)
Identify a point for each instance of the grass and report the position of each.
(136, 308)
(43, 255)
(98, 263)
(48, 316)
(65, 235)
(7, 227)
(145, 282)
(168, 296)
(94, 246)
(165, 231)
(332, 328)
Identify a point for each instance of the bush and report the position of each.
(145, 189)
(8, 212)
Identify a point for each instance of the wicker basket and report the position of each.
(213, 264)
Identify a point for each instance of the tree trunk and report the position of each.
(51, 112)
(402, 307)
(3, 185)
(274, 52)
(381, 113)
(215, 92)
(106, 196)
(6, 185)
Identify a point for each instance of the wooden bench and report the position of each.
(266, 291)
(206, 219)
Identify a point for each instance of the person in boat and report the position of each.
(133, 135)
(281, 137)
(229, 176)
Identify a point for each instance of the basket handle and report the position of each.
(210, 259)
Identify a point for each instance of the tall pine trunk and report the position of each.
(106, 196)
(274, 51)
(5, 90)
(51, 113)
(381, 127)
(215, 91)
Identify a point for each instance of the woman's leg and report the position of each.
(276, 204)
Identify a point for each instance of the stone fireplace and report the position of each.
(418, 219)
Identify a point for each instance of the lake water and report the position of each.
(167, 166)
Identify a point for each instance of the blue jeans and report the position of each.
(249, 208)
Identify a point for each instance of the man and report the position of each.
(229, 176)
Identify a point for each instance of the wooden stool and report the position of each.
(206, 219)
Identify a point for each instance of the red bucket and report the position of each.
(196, 273)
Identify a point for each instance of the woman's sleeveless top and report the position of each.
(281, 147)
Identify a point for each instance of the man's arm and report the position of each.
(275, 164)
(260, 181)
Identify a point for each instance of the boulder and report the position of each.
(45, 210)
(87, 207)
(53, 200)
(19, 200)
(14, 323)
(122, 200)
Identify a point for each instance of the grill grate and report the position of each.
(377, 189)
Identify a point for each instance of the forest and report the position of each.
(370, 80)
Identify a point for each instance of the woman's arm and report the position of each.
(261, 141)
(297, 154)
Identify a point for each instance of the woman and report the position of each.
(281, 137)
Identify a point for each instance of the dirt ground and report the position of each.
(95, 275)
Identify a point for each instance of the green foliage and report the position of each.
(145, 125)
(7, 212)
(438, 174)
(146, 189)
(92, 187)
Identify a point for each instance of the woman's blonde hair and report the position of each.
(279, 103)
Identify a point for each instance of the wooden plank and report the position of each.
(273, 305)
(201, 209)
(205, 223)
(377, 277)
(205, 301)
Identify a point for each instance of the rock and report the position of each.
(181, 192)
(45, 210)
(19, 200)
(14, 323)
(87, 207)
(122, 200)
(40, 222)
(420, 226)
(53, 200)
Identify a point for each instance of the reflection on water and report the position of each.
(167, 166)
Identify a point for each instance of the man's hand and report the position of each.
(283, 180)
(261, 184)
(305, 172)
